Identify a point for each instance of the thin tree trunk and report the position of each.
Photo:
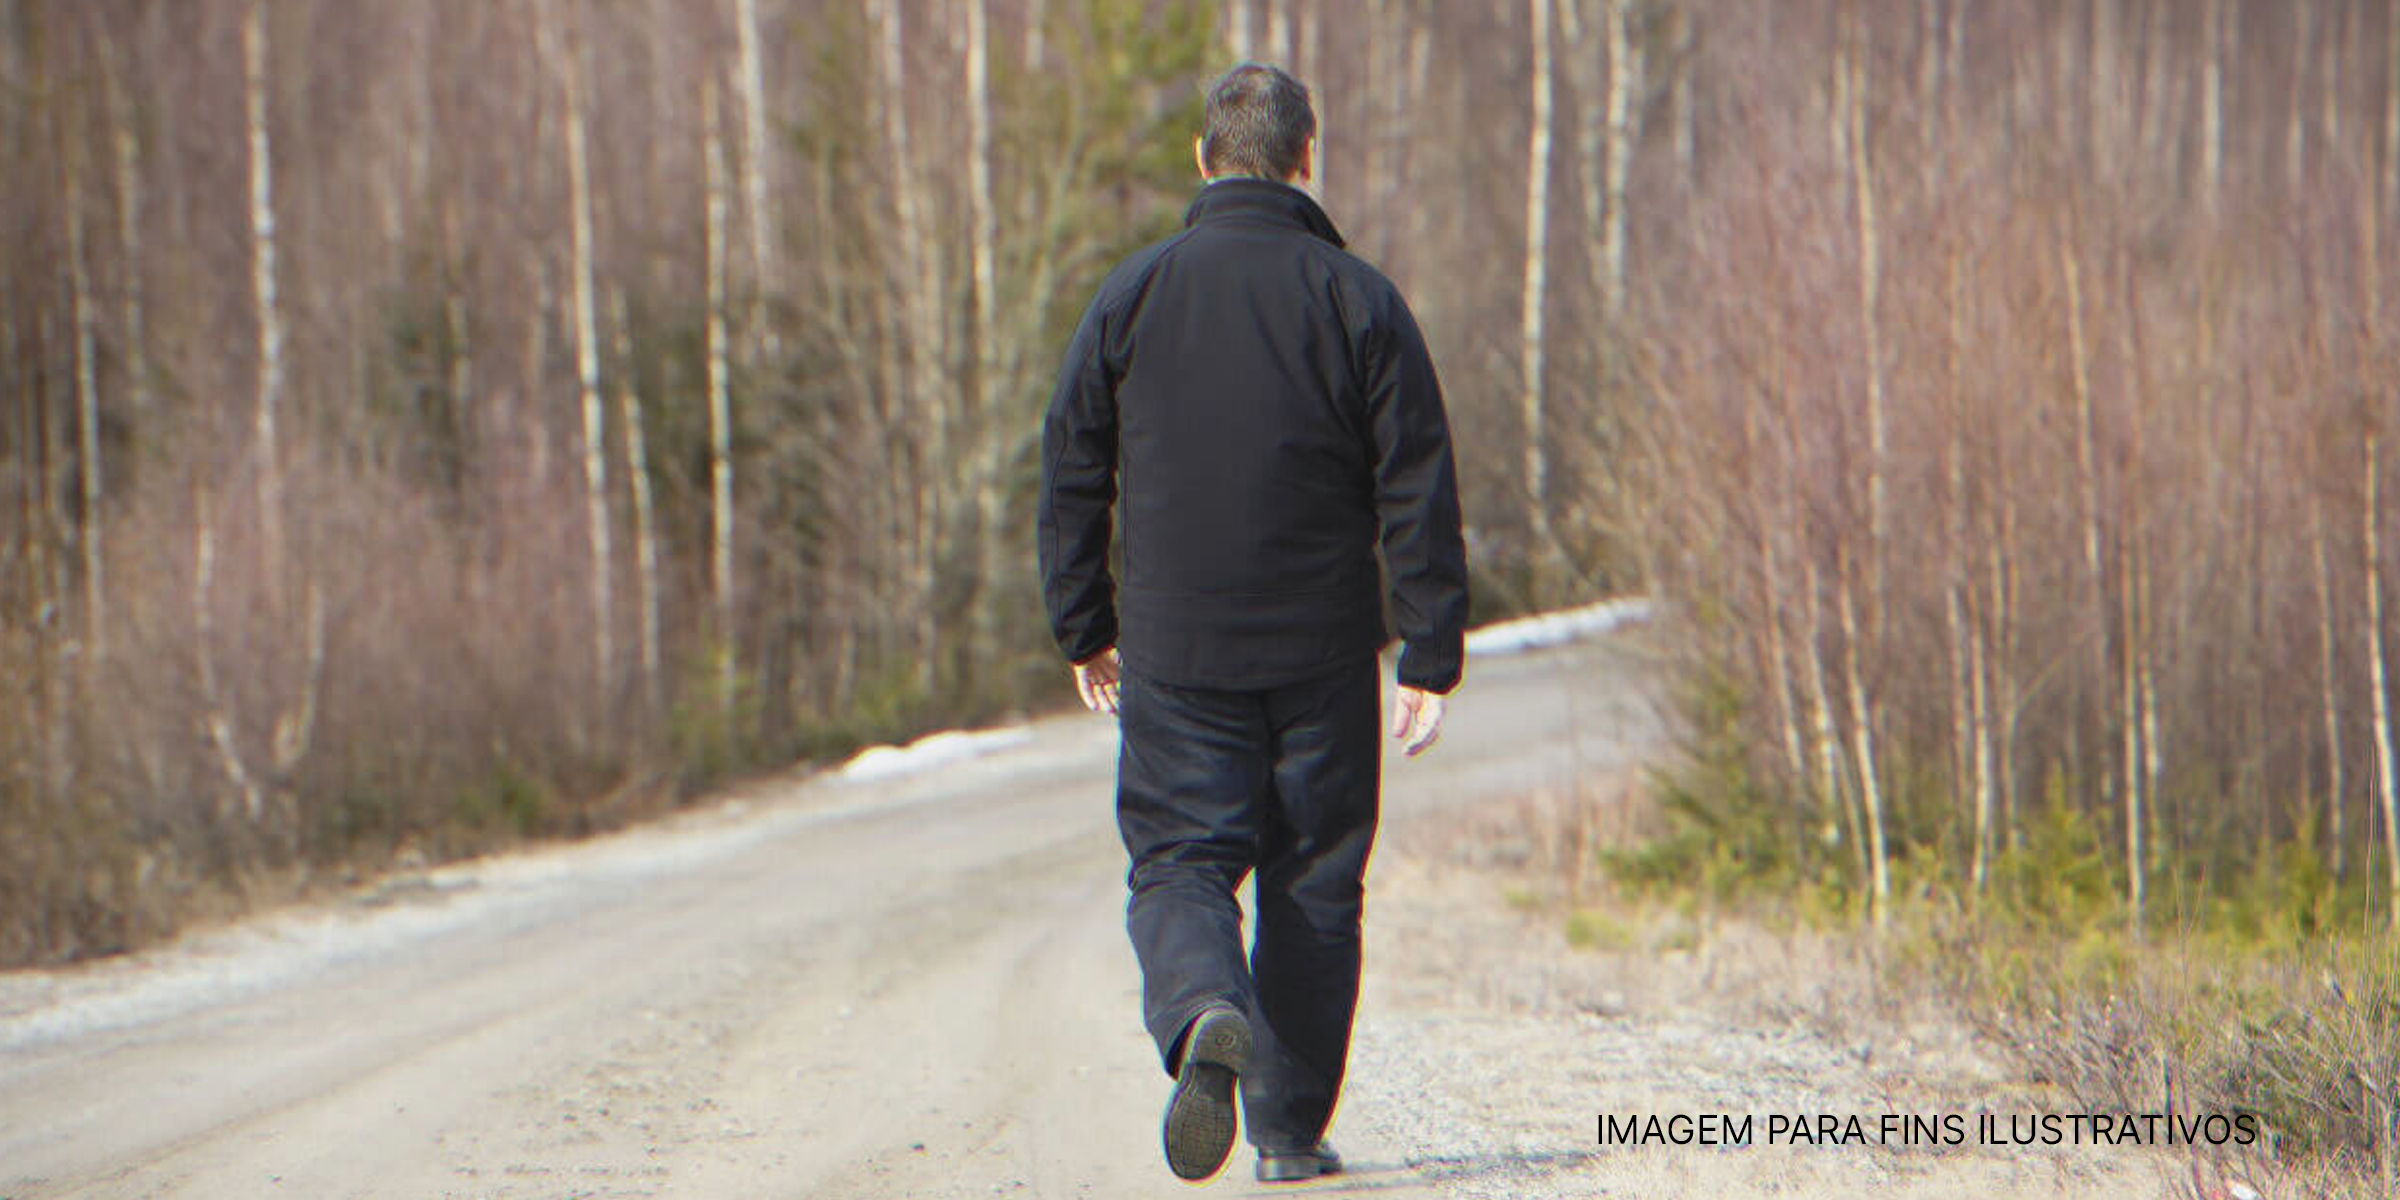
(1537, 251)
(765, 346)
(127, 147)
(87, 402)
(2212, 102)
(2391, 109)
(922, 313)
(720, 402)
(1279, 32)
(2385, 788)
(2330, 690)
(567, 55)
(218, 721)
(1870, 283)
(983, 402)
(1378, 113)
(267, 445)
(1685, 70)
(645, 521)
(1824, 738)
(1624, 86)
(2130, 692)
(1970, 719)
(2002, 583)
(2295, 133)
(1862, 737)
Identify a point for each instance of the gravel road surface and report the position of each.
(915, 983)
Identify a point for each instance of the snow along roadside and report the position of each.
(1539, 631)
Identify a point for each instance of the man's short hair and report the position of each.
(1258, 123)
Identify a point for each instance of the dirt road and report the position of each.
(910, 985)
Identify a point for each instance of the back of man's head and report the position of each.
(1258, 123)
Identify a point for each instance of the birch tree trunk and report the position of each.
(645, 521)
(1870, 283)
(2130, 717)
(1824, 738)
(566, 55)
(1862, 738)
(127, 146)
(2385, 788)
(1279, 32)
(2212, 102)
(1624, 86)
(2330, 689)
(2391, 110)
(921, 313)
(87, 402)
(1682, 97)
(267, 445)
(2295, 131)
(984, 398)
(1537, 249)
(720, 402)
(765, 345)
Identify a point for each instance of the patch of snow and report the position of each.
(931, 751)
(1558, 628)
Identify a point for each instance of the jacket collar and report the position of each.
(1241, 198)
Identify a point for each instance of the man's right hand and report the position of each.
(1096, 681)
(1416, 718)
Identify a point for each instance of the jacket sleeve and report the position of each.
(1079, 484)
(1416, 501)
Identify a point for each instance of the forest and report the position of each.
(425, 426)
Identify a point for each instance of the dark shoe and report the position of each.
(1200, 1115)
(1294, 1165)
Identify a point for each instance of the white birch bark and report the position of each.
(2391, 111)
(2295, 130)
(919, 308)
(267, 444)
(758, 202)
(1624, 85)
(985, 401)
(1824, 739)
(637, 473)
(1537, 248)
(2329, 689)
(1862, 737)
(1870, 285)
(720, 402)
(2386, 790)
(566, 55)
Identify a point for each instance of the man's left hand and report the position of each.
(1416, 718)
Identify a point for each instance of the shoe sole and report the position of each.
(1297, 1169)
(1200, 1115)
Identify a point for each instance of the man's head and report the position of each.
(1259, 124)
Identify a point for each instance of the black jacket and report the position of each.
(1266, 409)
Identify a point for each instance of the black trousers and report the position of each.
(1212, 785)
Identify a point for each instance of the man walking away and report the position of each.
(1261, 408)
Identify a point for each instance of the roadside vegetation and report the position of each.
(2016, 459)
